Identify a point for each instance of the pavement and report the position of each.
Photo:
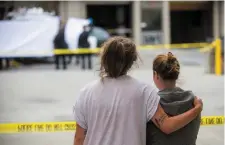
(40, 93)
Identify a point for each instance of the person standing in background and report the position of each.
(60, 43)
(83, 43)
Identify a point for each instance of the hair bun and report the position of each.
(167, 66)
(171, 58)
(169, 54)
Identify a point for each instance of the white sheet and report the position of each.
(74, 27)
(34, 38)
(27, 38)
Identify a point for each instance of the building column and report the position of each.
(221, 18)
(63, 10)
(166, 22)
(216, 27)
(75, 9)
(136, 18)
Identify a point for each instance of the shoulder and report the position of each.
(85, 92)
(90, 86)
(144, 87)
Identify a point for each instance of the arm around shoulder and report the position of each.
(170, 124)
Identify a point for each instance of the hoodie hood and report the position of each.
(176, 101)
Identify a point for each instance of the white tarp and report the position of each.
(28, 38)
(34, 38)
(74, 27)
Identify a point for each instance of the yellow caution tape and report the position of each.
(71, 126)
(175, 46)
(212, 120)
(61, 51)
(76, 51)
(37, 127)
(207, 48)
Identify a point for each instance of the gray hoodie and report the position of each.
(174, 101)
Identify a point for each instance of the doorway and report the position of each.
(111, 16)
(192, 24)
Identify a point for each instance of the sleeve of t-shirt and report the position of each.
(79, 111)
(153, 99)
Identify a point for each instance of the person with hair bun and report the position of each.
(174, 101)
(115, 109)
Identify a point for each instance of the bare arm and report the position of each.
(79, 135)
(170, 124)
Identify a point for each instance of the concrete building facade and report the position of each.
(153, 22)
(141, 8)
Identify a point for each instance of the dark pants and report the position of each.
(7, 63)
(1, 63)
(60, 59)
(82, 58)
(70, 57)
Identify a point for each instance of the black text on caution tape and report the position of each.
(212, 121)
(50, 127)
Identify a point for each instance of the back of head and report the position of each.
(167, 66)
(86, 28)
(174, 101)
(117, 57)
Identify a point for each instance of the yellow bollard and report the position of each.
(218, 66)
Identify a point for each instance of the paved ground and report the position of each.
(39, 93)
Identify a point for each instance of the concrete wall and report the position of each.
(77, 9)
(136, 14)
(218, 18)
(221, 18)
(72, 9)
(166, 22)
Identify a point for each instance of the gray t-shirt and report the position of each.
(115, 111)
